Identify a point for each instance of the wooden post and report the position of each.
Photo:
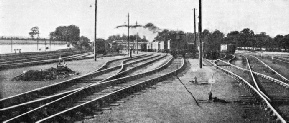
(128, 47)
(95, 30)
(195, 34)
(136, 43)
(200, 34)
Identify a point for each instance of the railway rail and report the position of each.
(256, 83)
(282, 59)
(278, 94)
(70, 84)
(265, 69)
(65, 87)
(279, 75)
(41, 59)
(117, 91)
(13, 57)
(282, 83)
(124, 72)
(103, 90)
(285, 60)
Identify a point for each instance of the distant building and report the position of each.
(132, 45)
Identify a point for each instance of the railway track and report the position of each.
(40, 59)
(67, 85)
(40, 102)
(13, 57)
(114, 92)
(282, 59)
(265, 69)
(98, 93)
(262, 86)
(274, 66)
(279, 94)
(285, 60)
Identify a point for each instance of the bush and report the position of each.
(43, 75)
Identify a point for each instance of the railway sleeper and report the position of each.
(263, 102)
(77, 95)
(119, 94)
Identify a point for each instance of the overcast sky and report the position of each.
(19, 16)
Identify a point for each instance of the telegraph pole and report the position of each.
(95, 31)
(200, 34)
(136, 40)
(195, 34)
(136, 43)
(128, 48)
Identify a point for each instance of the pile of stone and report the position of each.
(43, 75)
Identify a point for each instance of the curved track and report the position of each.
(112, 93)
(62, 88)
(120, 72)
(263, 86)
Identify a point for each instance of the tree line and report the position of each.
(245, 39)
(132, 38)
(71, 35)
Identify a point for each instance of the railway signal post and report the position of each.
(129, 50)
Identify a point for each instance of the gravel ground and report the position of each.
(10, 88)
(169, 102)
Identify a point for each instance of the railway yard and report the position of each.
(149, 87)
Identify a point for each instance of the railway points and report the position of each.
(62, 70)
(264, 84)
(120, 82)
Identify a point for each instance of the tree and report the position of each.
(278, 42)
(246, 38)
(261, 40)
(83, 43)
(190, 37)
(212, 41)
(69, 34)
(285, 42)
(114, 37)
(233, 38)
(163, 35)
(34, 31)
(124, 37)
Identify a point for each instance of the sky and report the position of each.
(19, 16)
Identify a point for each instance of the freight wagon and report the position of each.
(173, 47)
(228, 48)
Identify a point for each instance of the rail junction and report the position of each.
(115, 79)
(74, 99)
(267, 87)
